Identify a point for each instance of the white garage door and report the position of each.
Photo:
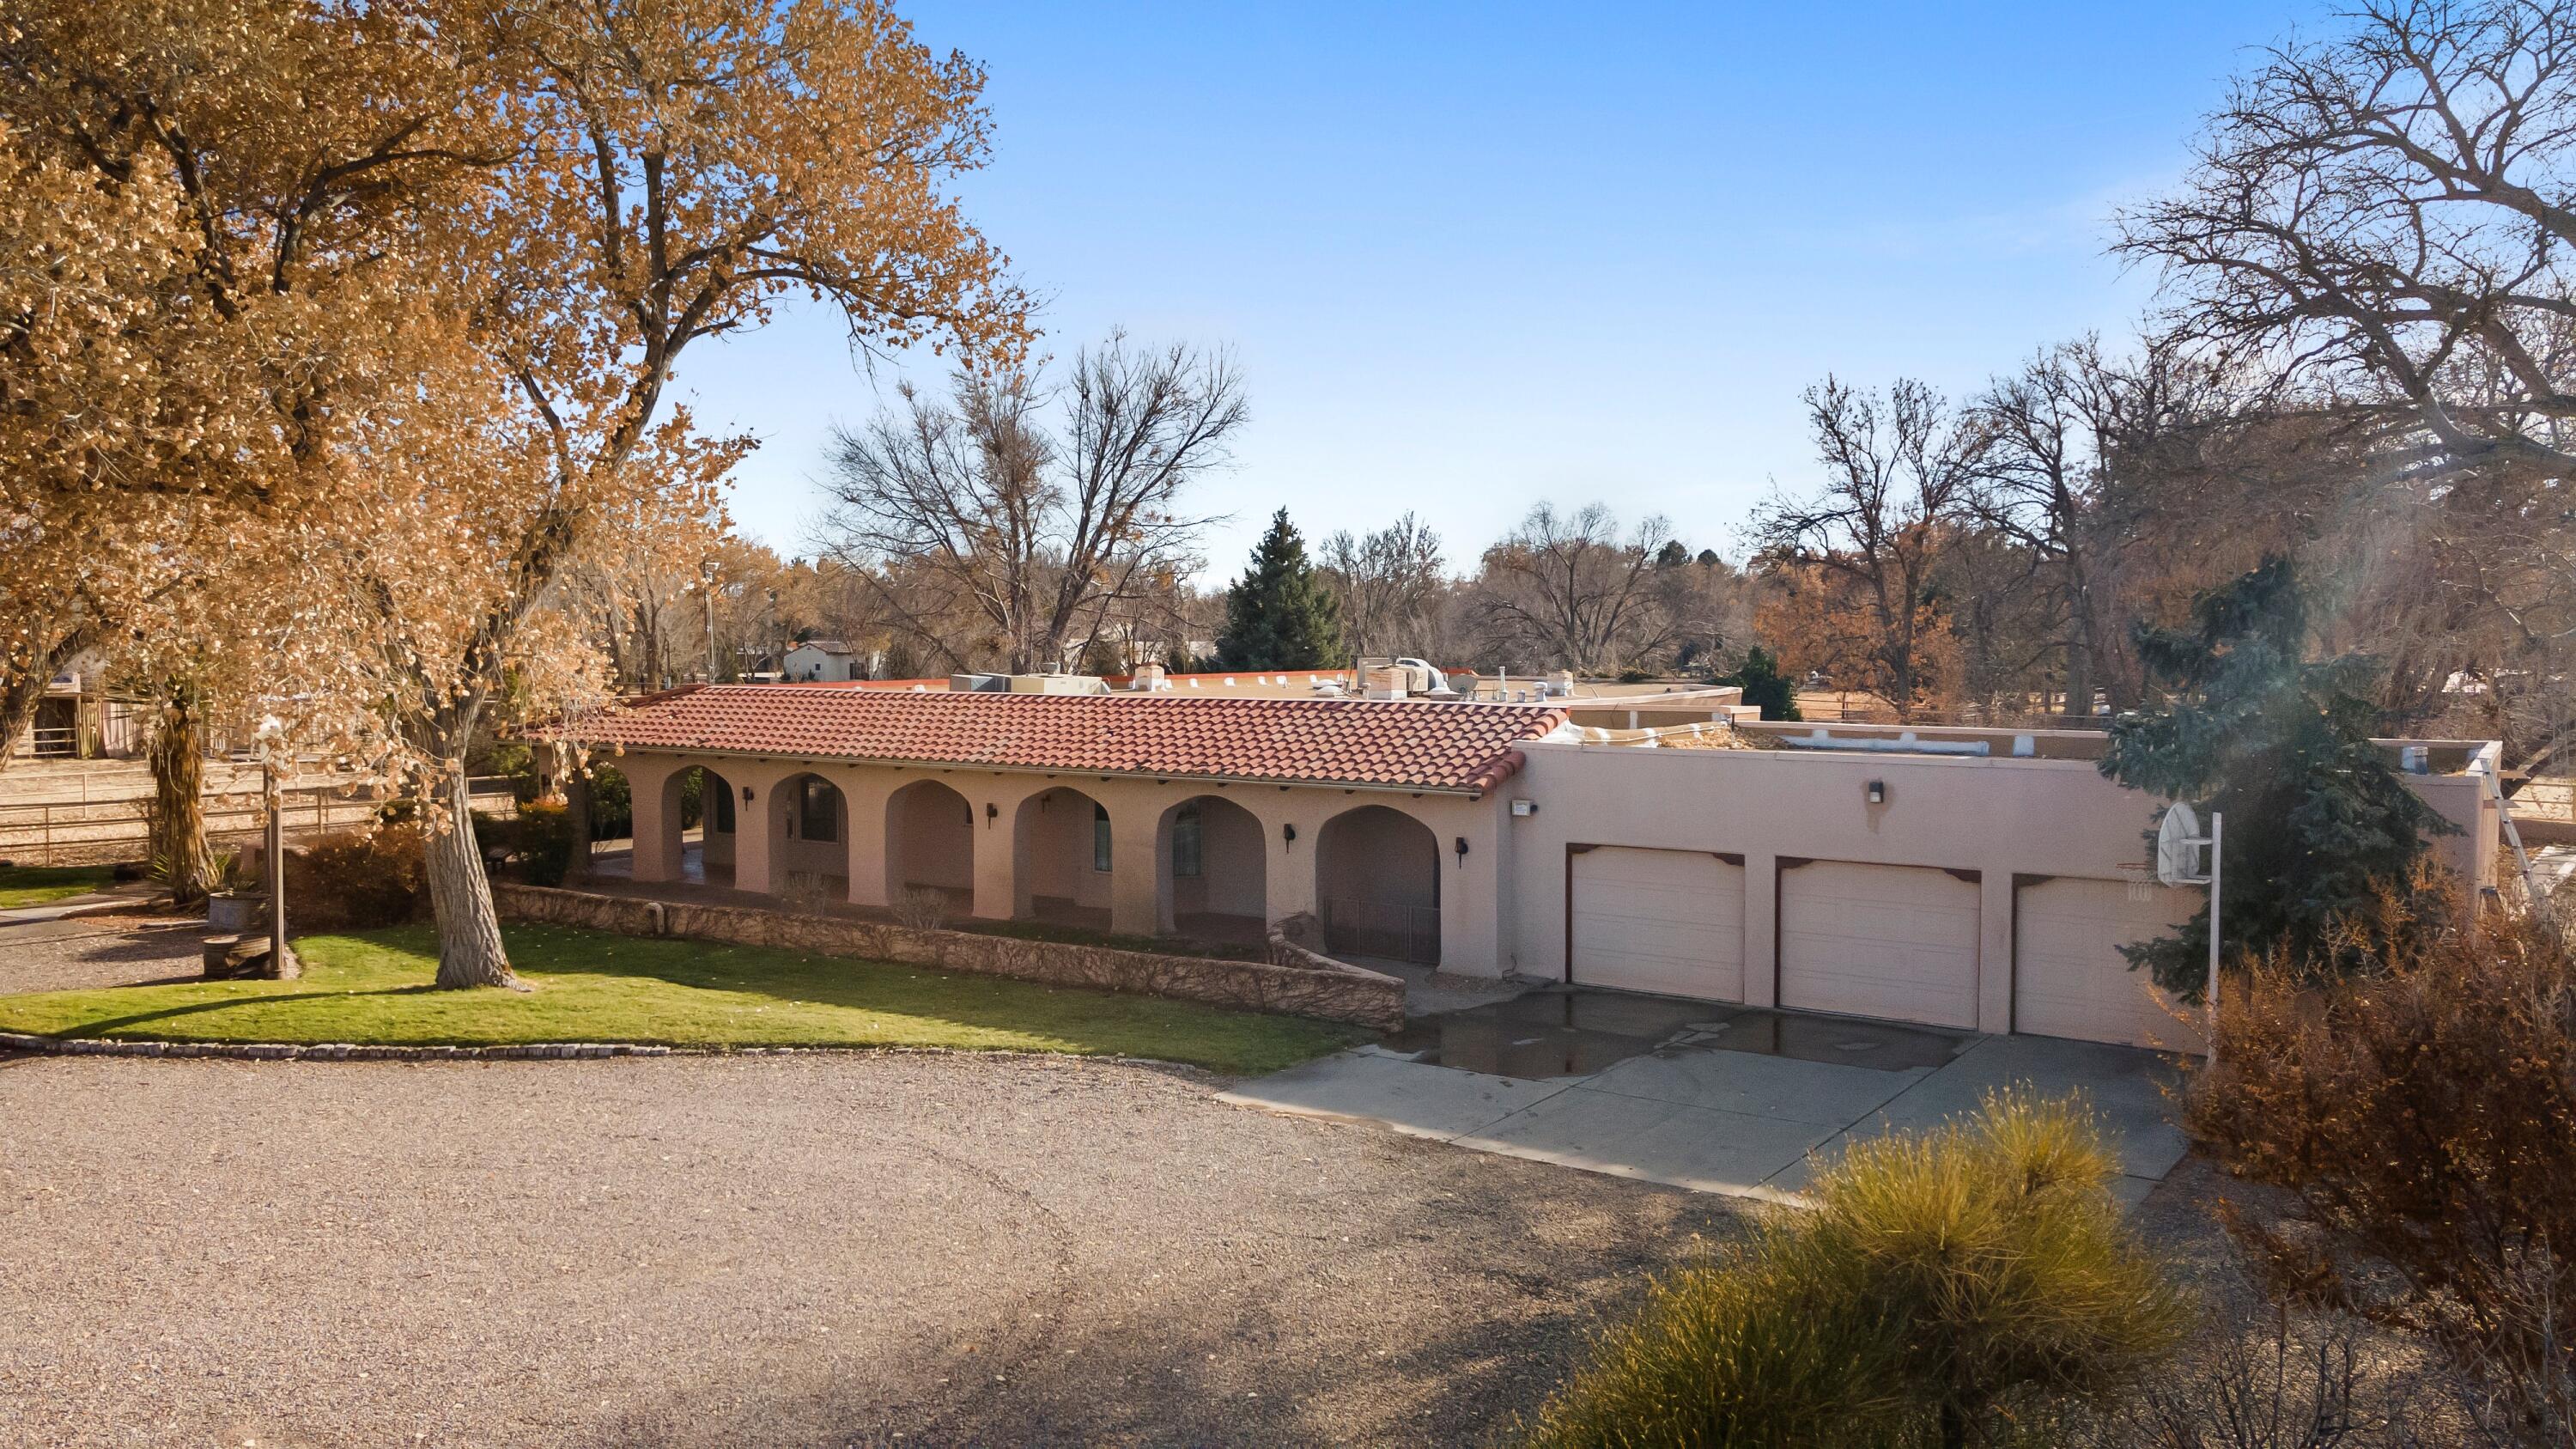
(2069, 978)
(1658, 920)
(1893, 941)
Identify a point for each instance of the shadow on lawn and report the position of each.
(102, 1027)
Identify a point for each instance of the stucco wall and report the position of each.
(1289, 823)
(2005, 819)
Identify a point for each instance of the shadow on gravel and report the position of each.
(1316, 1345)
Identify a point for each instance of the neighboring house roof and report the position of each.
(1397, 744)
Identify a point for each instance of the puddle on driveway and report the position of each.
(1569, 1032)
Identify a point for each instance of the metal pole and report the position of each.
(2217, 833)
(276, 871)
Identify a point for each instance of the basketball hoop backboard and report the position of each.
(2178, 847)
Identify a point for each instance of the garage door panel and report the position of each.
(1898, 942)
(2069, 978)
(1669, 921)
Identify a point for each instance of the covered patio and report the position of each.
(1199, 820)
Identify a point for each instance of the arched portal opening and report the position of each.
(698, 825)
(1377, 882)
(930, 845)
(1061, 857)
(1212, 871)
(809, 835)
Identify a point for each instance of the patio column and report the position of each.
(756, 828)
(1135, 897)
(1290, 877)
(996, 871)
(657, 828)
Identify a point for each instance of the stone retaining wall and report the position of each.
(1316, 987)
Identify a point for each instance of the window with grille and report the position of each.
(818, 810)
(1186, 848)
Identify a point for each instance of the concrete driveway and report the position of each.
(1714, 1098)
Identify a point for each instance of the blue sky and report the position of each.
(1471, 256)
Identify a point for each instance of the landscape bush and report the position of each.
(541, 842)
(1969, 1285)
(2422, 1117)
(921, 907)
(358, 879)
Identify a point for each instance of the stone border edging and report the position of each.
(255, 1051)
(93, 1046)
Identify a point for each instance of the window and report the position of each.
(818, 810)
(1185, 840)
(1100, 837)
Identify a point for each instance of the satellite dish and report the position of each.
(2178, 842)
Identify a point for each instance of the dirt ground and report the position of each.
(816, 1250)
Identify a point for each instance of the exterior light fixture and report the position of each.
(1878, 792)
(1288, 832)
(1460, 846)
(1525, 808)
(992, 812)
(746, 794)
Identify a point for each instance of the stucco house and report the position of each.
(828, 661)
(1978, 879)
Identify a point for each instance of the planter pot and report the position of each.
(237, 911)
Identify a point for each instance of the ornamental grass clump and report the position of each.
(1964, 1286)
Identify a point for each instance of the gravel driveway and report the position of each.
(86, 952)
(802, 1250)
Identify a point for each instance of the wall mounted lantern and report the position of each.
(746, 794)
(1460, 846)
(993, 812)
(1288, 833)
(1878, 792)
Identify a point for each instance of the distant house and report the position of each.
(76, 719)
(830, 659)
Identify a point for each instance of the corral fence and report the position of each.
(110, 831)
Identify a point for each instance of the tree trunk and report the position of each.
(469, 929)
(178, 819)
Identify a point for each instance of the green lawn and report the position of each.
(370, 987)
(33, 885)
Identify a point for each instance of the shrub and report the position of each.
(2423, 1116)
(542, 842)
(921, 907)
(1945, 1289)
(1764, 686)
(358, 879)
(612, 803)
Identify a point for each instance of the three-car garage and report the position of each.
(1890, 942)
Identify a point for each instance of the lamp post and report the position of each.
(707, 589)
(274, 868)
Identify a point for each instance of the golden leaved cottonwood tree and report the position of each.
(495, 233)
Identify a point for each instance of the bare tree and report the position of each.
(1386, 583)
(1568, 590)
(1898, 472)
(2383, 217)
(974, 513)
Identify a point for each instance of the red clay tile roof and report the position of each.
(1405, 744)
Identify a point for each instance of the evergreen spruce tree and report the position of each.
(1279, 615)
(1764, 685)
(2318, 821)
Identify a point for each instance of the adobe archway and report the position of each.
(1377, 885)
